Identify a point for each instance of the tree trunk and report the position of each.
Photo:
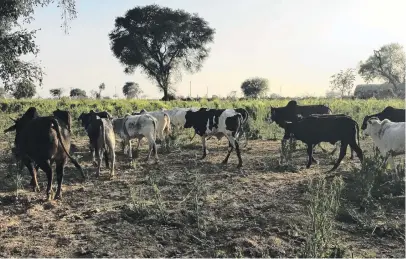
(166, 97)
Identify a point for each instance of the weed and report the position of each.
(159, 206)
(324, 204)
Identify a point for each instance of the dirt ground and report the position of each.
(180, 207)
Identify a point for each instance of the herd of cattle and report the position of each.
(41, 141)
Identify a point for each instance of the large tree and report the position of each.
(161, 41)
(15, 42)
(387, 64)
(254, 87)
(132, 90)
(24, 89)
(343, 82)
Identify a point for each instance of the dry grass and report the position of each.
(181, 207)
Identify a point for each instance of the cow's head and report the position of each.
(274, 115)
(190, 119)
(19, 123)
(84, 118)
(65, 117)
(370, 125)
(288, 126)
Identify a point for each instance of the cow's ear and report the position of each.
(12, 128)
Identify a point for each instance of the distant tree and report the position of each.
(161, 41)
(387, 64)
(232, 95)
(77, 93)
(131, 90)
(333, 94)
(57, 92)
(343, 82)
(275, 96)
(16, 42)
(24, 89)
(94, 94)
(102, 87)
(254, 87)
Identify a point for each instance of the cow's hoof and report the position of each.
(49, 197)
(58, 197)
(239, 166)
(94, 163)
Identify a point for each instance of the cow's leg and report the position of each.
(92, 151)
(352, 153)
(234, 144)
(59, 177)
(310, 154)
(113, 161)
(204, 147)
(354, 146)
(106, 158)
(46, 167)
(99, 154)
(343, 151)
(33, 173)
(230, 149)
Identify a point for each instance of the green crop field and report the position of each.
(183, 206)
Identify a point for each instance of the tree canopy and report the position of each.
(15, 42)
(56, 92)
(254, 87)
(387, 64)
(161, 41)
(343, 82)
(78, 93)
(132, 90)
(24, 89)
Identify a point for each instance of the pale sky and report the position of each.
(296, 44)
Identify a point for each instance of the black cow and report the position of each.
(43, 141)
(219, 123)
(102, 141)
(280, 115)
(390, 113)
(315, 129)
(85, 118)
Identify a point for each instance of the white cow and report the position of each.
(177, 116)
(137, 126)
(164, 122)
(389, 137)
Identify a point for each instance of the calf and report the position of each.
(219, 123)
(315, 129)
(84, 118)
(390, 113)
(388, 136)
(43, 141)
(102, 140)
(163, 125)
(139, 126)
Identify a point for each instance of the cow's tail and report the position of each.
(356, 124)
(55, 126)
(168, 128)
(155, 127)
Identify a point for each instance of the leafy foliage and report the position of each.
(387, 64)
(24, 89)
(15, 42)
(132, 90)
(56, 92)
(161, 41)
(78, 93)
(343, 82)
(254, 87)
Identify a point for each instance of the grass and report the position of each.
(186, 207)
